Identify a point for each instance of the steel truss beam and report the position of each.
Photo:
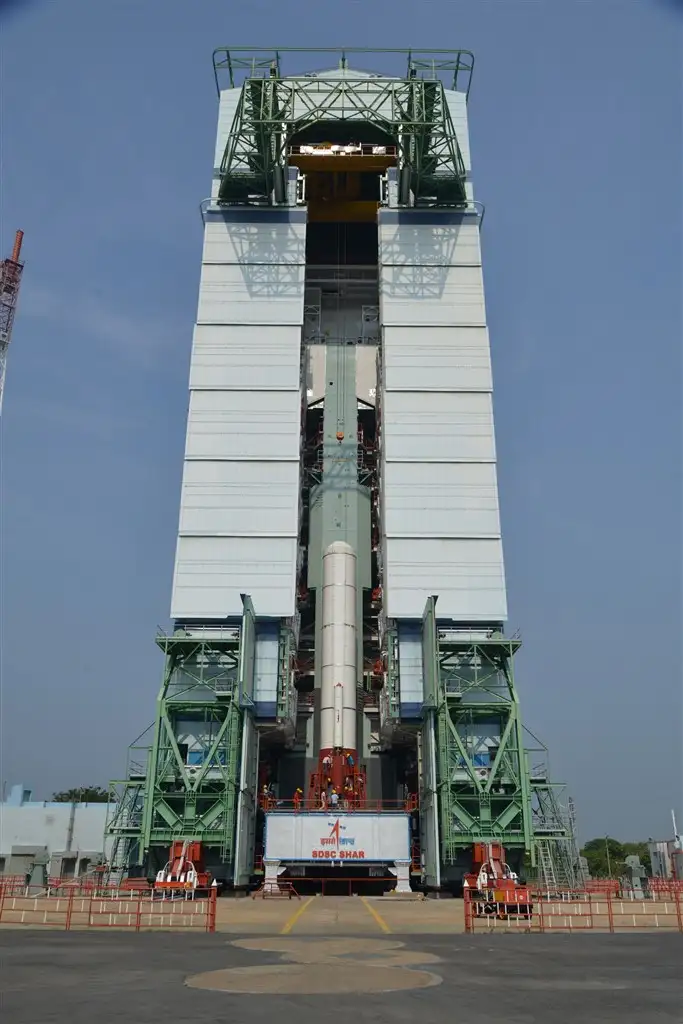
(411, 114)
(485, 787)
(231, 65)
(185, 784)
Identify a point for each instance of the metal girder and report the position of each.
(185, 784)
(454, 67)
(484, 782)
(411, 114)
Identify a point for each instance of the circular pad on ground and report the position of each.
(327, 979)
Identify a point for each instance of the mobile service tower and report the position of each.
(338, 693)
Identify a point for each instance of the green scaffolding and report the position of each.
(410, 113)
(486, 789)
(185, 785)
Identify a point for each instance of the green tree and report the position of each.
(600, 864)
(82, 795)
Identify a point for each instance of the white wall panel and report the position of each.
(437, 359)
(441, 500)
(240, 498)
(257, 241)
(467, 576)
(254, 294)
(266, 662)
(243, 425)
(418, 244)
(410, 665)
(439, 296)
(450, 427)
(457, 106)
(238, 529)
(247, 357)
(361, 837)
(229, 98)
(212, 572)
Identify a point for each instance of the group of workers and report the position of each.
(331, 797)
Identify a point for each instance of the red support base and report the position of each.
(338, 775)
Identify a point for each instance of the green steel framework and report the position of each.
(410, 113)
(206, 692)
(469, 689)
(204, 686)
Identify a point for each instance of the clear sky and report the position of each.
(107, 132)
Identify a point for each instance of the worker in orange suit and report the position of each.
(298, 793)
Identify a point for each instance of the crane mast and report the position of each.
(10, 278)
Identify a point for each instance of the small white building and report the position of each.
(666, 858)
(62, 839)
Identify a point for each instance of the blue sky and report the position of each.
(108, 121)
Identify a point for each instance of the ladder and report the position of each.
(546, 865)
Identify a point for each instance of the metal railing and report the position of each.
(531, 910)
(362, 806)
(142, 910)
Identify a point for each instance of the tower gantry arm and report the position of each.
(10, 279)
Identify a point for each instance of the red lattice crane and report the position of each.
(10, 279)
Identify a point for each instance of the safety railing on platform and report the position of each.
(138, 911)
(272, 803)
(572, 910)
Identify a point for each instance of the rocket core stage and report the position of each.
(338, 756)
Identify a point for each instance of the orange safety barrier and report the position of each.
(134, 910)
(611, 885)
(80, 887)
(573, 910)
(665, 885)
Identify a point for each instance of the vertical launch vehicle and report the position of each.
(338, 684)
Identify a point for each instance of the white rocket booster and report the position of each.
(338, 679)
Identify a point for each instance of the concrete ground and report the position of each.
(339, 915)
(50, 977)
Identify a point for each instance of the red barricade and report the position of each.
(139, 911)
(573, 910)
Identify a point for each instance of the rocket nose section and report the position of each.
(339, 547)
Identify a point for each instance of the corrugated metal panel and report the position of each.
(243, 425)
(212, 572)
(441, 515)
(422, 296)
(238, 529)
(255, 294)
(438, 359)
(258, 241)
(246, 357)
(227, 107)
(240, 498)
(447, 241)
(451, 427)
(467, 576)
(441, 500)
